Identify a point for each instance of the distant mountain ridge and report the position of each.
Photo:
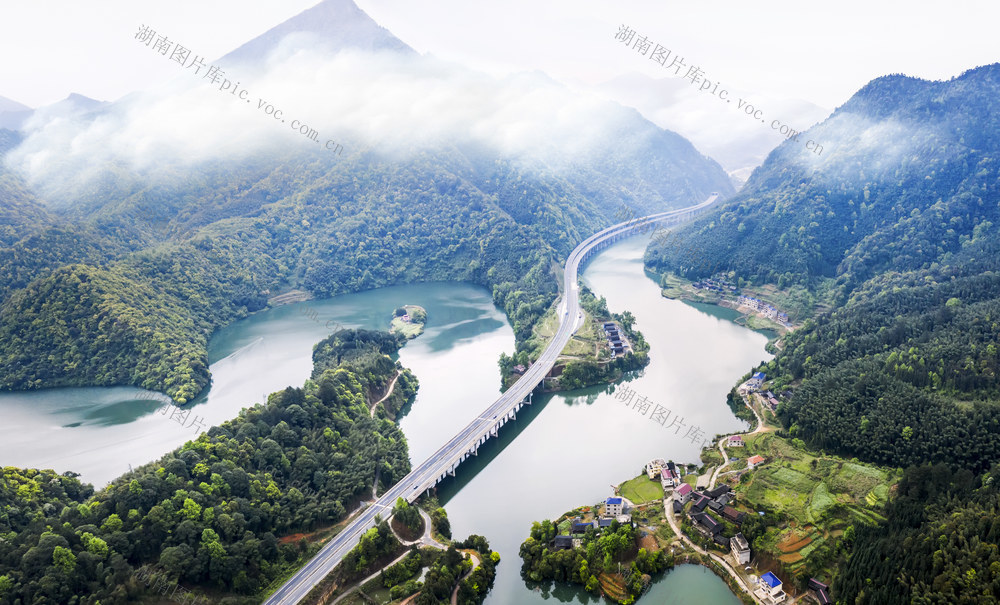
(802, 217)
(185, 248)
(332, 25)
(13, 114)
(897, 229)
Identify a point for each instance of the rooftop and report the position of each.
(771, 580)
(614, 500)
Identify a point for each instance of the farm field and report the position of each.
(810, 501)
(642, 489)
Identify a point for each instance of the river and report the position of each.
(570, 447)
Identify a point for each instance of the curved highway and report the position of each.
(429, 472)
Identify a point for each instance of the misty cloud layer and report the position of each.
(391, 102)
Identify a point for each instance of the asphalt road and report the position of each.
(427, 473)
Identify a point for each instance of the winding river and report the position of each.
(570, 447)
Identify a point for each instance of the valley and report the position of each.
(509, 312)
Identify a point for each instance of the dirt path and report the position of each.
(722, 450)
(369, 578)
(392, 385)
(669, 513)
(454, 592)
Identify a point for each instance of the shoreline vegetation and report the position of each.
(798, 305)
(588, 358)
(408, 320)
(230, 514)
(801, 508)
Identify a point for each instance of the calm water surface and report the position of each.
(568, 449)
(99, 432)
(563, 451)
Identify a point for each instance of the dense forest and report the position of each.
(600, 552)
(939, 544)
(897, 235)
(210, 515)
(910, 176)
(124, 281)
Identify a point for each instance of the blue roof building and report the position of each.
(771, 580)
(759, 376)
(614, 506)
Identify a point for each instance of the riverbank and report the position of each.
(764, 309)
(409, 321)
(797, 506)
(602, 350)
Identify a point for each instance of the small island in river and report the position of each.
(409, 321)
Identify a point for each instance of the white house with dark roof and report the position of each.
(683, 493)
(740, 548)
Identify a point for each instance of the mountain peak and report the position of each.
(331, 25)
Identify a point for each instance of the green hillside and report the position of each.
(211, 247)
(895, 230)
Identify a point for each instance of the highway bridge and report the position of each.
(466, 443)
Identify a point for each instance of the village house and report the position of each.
(735, 441)
(562, 543)
(706, 524)
(769, 589)
(683, 493)
(654, 467)
(700, 502)
(746, 301)
(755, 461)
(614, 506)
(717, 492)
(822, 591)
(731, 514)
(618, 345)
(740, 548)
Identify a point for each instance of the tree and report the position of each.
(64, 559)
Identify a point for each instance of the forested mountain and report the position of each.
(896, 226)
(148, 253)
(210, 514)
(939, 545)
(907, 174)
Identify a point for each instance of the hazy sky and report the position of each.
(819, 52)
